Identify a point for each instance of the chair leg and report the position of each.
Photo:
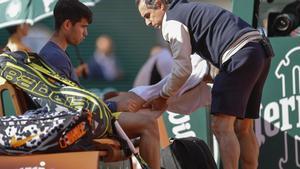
(2, 113)
(17, 97)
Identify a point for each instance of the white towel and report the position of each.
(191, 96)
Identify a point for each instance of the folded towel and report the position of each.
(191, 96)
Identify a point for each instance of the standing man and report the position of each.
(240, 53)
(71, 22)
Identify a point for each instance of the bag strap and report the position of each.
(39, 64)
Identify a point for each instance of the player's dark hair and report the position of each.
(73, 10)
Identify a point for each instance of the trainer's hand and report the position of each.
(157, 104)
(128, 102)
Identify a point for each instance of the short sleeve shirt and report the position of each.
(59, 60)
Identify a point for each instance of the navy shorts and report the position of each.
(238, 87)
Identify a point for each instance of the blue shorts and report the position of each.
(238, 87)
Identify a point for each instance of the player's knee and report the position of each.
(151, 126)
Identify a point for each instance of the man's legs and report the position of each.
(248, 143)
(223, 128)
(145, 127)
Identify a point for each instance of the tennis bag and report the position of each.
(67, 114)
(187, 153)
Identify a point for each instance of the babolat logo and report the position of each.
(39, 86)
(42, 165)
(280, 122)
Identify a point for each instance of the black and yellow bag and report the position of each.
(67, 115)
